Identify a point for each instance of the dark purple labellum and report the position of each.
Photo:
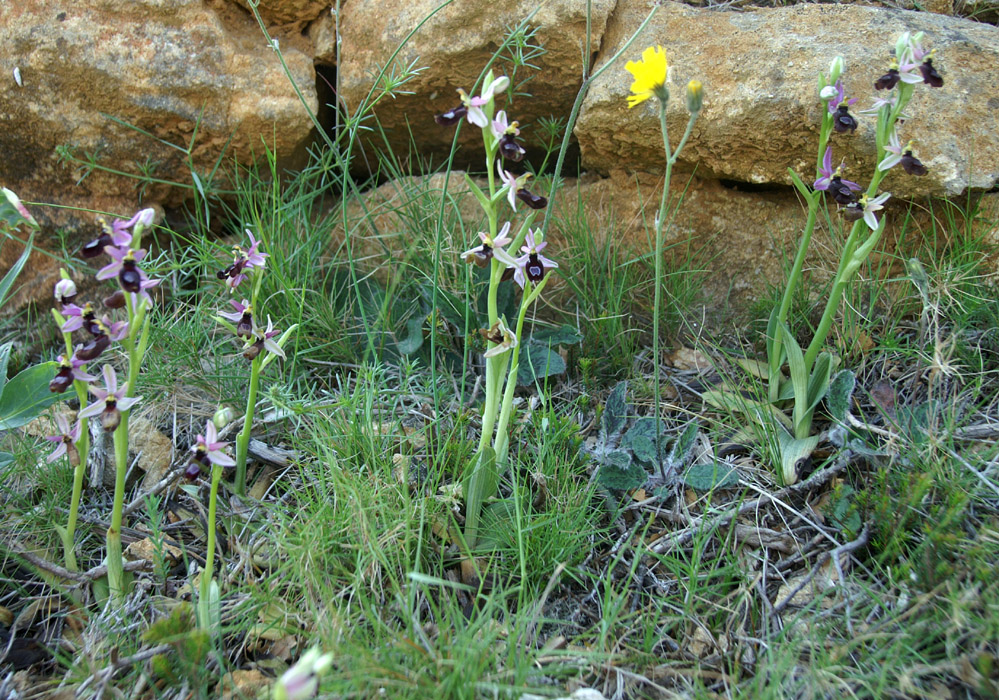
(510, 149)
(452, 116)
(508, 274)
(251, 352)
(480, 256)
(193, 470)
(111, 417)
(62, 381)
(912, 165)
(853, 212)
(96, 246)
(841, 193)
(244, 329)
(534, 269)
(130, 277)
(930, 75)
(888, 80)
(534, 201)
(843, 121)
(222, 274)
(94, 348)
(116, 300)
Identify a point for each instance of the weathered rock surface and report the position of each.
(166, 67)
(453, 46)
(761, 111)
(297, 13)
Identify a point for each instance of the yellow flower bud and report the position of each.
(695, 96)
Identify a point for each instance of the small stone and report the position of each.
(146, 550)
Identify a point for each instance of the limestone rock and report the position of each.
(166, 67)
(761, 111)
(155, 450)
(293, 12)
(453, 46)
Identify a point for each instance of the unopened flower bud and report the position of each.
(146, 217)
(15, 202)
(829, 92)
(695, 96)
(835, 69)
(901, 44)
(65, 291)
(223, 417)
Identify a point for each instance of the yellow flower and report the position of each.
(650, 77)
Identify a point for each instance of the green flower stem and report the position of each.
(243, 439)
(852, 258)
(806, 236)
(578, 104)
(138, 328)
(502, 443)
(848, 264)
(116, 567)
(206, 575)
(658, 293)
(794, 277)
(83, 450)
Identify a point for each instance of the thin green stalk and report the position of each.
(844, 275)
(502, 442)
(243, 439)
(577, 105)
(116, 567)
(83, 450)
(204, 595)
(660, 225)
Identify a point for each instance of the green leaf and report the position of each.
(641, 438)
(818, 383)
(481, 482)
(414, 339)
(840, 395)
(280, 342)
(643, 448)
(538, 362)
(804, 189)
(620, 459)
(684, 445)
(706, 477)
(775, 356)
(799, 380)
(25, 396)
(4, 359)
(760, 412)
(6, 458)
(563, 335)
(615, 411)
(793, 454)
(8, 279)
(622, 479)
(479, 194)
